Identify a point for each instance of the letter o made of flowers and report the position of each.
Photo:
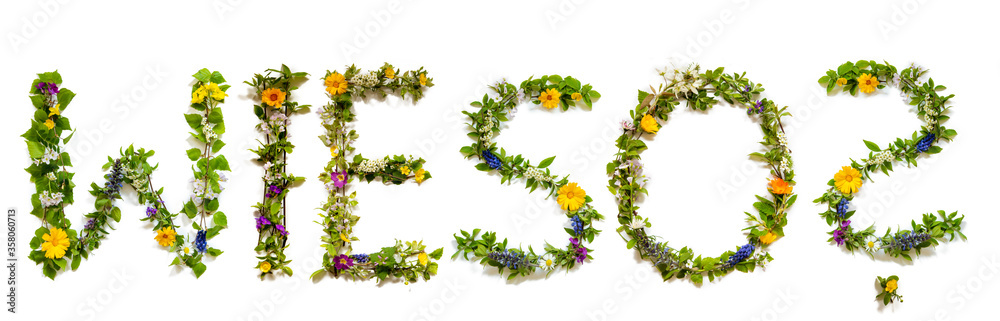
(867, 76)
(702, 90)
(485, 123)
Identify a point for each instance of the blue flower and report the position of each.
(511, 259)
(360, 258)
(577, 225)
(492, 160)
(842, 207)
(114, 180)
(200, 243)
(906, 241)
(742, 254)
(656, 252)
(925, 143)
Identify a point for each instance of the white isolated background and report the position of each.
(130, 64)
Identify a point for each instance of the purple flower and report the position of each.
(838, 236)
(273, 191)
(89, 225)
(845, 224)
(47, 88)
(342, 262)
(339, 179)
(262, 222)
(150, 211)
(574, 242)
(581, 254)
(281, 229)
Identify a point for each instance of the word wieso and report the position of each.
(58, 247)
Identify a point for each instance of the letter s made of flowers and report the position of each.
(550, 91)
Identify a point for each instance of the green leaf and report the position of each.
(198, 269)
(872, 146)
(35, 149)
(203, 75)
(546, 162)
(193, 154)
(220, 219)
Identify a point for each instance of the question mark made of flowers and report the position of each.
(275, 88)
(867, 76)
(628, 182)
(338, 219)
(56, 245)
(549, 91)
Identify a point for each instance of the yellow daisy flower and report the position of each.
(264, 266)
(891, 286)
(422, 258)
(649, 124)
(867, 83)
(571, 197)
(550, 98)
(419, 175)
(272, 97)
(768, 238)
(50, 124)
(166, 236)
(390, 73)
(405, 170)
(847, 180)
(335, 84)
(576, 96)
(56, 243)
(54, 110)
(422, 79)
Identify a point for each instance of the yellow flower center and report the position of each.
(340, 177)
(343, 261)
(570, 195)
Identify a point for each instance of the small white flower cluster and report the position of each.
(271, 172)
(51, 176)
(536, 174)
(372, 165)
(208, 129)
(50, 199)
(637, 223)
(782, 139)
(881, 157)
(930, 120)
(686, 80)
(136, 178)
(47, 157)
(486, 131)
(365, 79)
(203, 192)
(783, 167)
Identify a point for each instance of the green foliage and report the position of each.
(886, 296)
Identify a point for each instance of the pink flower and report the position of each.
(339, 179)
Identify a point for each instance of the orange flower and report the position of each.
(779, 186)
(335, 83)
(273, 97)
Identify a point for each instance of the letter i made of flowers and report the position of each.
(207, 93)
(275, 88)
(408, 261)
